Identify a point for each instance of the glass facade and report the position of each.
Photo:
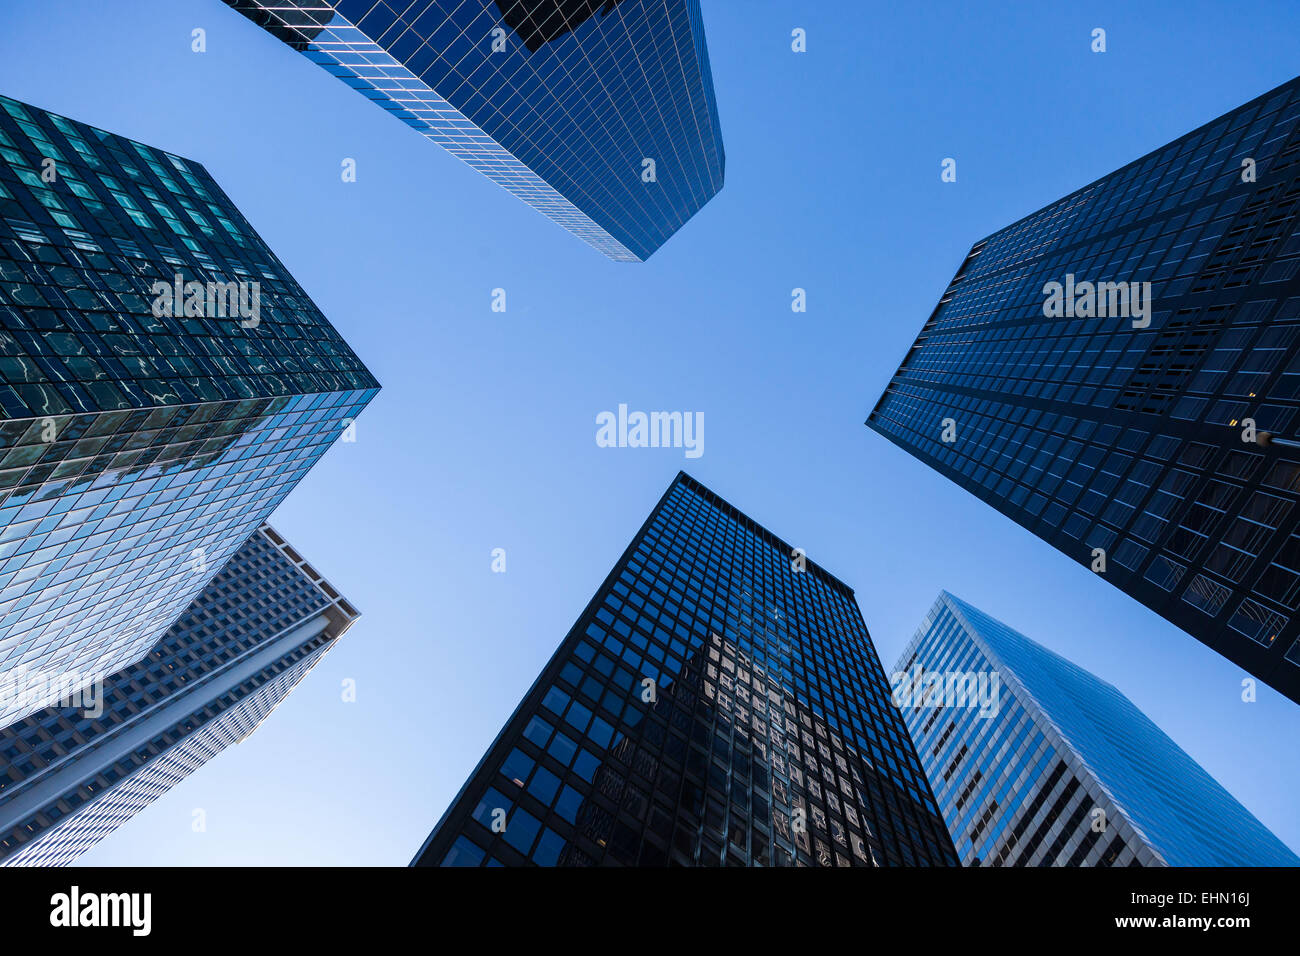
(560, 102)
(718, 703)
(1050, 766)
(1094, 371)
(68, 778)
(140, 445)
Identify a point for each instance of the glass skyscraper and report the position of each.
(600, 114)
(69, 776)
(1119, 373)
(1036, 762)
(140, 444)
(718, 703)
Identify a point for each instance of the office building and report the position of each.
(1036, 762)
(72, 774)
(1119, 373)
(164, 383)
(718, 703)
(600, 114)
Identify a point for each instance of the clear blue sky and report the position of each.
(484, 434)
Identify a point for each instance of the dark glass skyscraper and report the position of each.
(719, 702)
(599, 114)
(69, 776)
(1102, 370)
(140, 444)
(1036, 762)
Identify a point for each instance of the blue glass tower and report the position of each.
(1036, 762)
(71, 774)
(1119, 373)
(718, 703)
(144, 434)
(600, 114)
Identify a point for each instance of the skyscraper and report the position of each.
(70, 776)
(164, 383)
(599, 114)
(1119, 373)
(719, 702)
(1036, 762)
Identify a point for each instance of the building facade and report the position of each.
(1114, 373)
(718, 703)
(72, 774)
(164, 383)
(600, 114)
(1036, 762)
